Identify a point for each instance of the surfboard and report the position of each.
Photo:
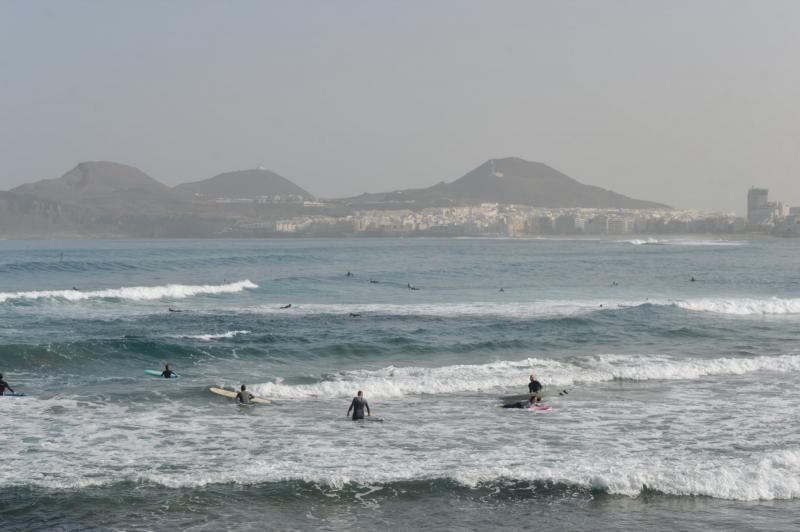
(155, 373)
(227, 393)
(13, 394)
(540, 407)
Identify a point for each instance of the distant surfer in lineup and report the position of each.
(168, 373)
(243, 396)
(358, 405)
(4, 385)
(286, 306)
(348, 274)
(410, 287)
(174, 310)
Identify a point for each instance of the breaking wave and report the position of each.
(134, 293)
(742, 306)
(508, 375)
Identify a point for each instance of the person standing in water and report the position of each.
(4, 385)
(358, 405)
(243, 396)
(534, 386)
(168, 373)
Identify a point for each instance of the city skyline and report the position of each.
(681, 103)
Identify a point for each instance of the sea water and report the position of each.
(681, 413)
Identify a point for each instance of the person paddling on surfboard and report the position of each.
(168, 373)
(358, 405)
(4, 385)
(530, 403)
(243, 396)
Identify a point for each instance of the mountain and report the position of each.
(244, 184)
(105, 186)
(101, 199)
(512, 181)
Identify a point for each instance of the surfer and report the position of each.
(167, 373)
(286, 306)
(373, 281)
(692, 280)
(174, 310)
(243, 396)
(355, 315)
(534, 386)
(358, 405)
(523, 404)
(348, 274)
(4, 385)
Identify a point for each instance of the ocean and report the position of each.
(682, 409)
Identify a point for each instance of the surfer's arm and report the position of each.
(351, 407)
(368, 410)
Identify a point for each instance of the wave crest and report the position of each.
(134, 293)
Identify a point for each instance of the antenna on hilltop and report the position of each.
(494, 172)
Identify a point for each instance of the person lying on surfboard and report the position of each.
(4, 385)
(530, 403)
(167, 373)
(243, 396)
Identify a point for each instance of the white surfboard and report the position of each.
(227, 393)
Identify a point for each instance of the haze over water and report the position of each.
(681, 410)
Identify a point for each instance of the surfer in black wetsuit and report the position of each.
(358, 405)
(167, 373)
(243, 396)
(523, 404)
(286, 306)
(4, 385)
(534, 386)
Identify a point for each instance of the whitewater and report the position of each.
(681, 404)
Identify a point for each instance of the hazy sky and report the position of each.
(688, 103)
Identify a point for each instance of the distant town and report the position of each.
(763, 217)
(501, 197)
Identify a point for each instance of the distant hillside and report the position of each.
(511, 180)
(244, 184)
(104, 186)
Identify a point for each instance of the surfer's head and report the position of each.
(360, 393)
(244, 387)
(533, 376)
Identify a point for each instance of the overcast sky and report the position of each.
(684, 102)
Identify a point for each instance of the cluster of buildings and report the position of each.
(771, 216)
(763, 216)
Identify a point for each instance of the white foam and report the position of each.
(683, 242)
(209, 337)
(135, 293)
(742, 306)
(505, 375)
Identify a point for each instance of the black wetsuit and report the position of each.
(3, 386)
(167, 373)
(534, 386)
(357, 406)
(518, 404)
